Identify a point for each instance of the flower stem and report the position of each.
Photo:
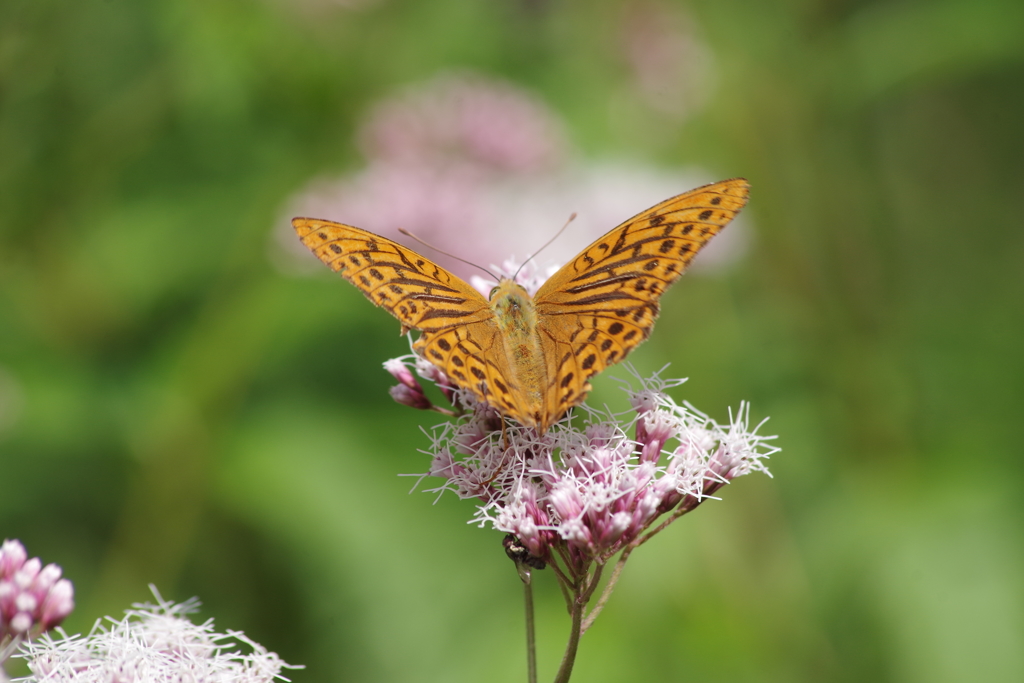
(569, 658)
(531, 640)
(607, 592)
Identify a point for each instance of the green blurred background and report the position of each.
(174, 409)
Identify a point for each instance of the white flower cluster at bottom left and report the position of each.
(152, 644)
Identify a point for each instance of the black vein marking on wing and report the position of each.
(610, 267)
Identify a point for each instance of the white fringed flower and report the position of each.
(152, 644)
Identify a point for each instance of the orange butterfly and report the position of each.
(531, 357)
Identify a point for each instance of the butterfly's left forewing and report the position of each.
(456, 322)
(598, 307)
(421, 294)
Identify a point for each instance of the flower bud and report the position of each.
(410, 397)
(402, 373)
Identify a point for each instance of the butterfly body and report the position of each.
(531, 358)
(515, 317)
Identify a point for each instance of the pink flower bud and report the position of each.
(401, 372)
(47, 577)
(432, 373)
(24, 577)
(658, 426)
(26, 602)
(566, 502)
(643, 401)
(410, 397)
(12, 556)
(58, 604)
(21, 622)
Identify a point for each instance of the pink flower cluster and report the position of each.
(33, 598)
(583, 492)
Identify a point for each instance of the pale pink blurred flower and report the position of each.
(434, 153)
(153, 643)
(465, 120)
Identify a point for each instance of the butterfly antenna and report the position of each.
(546, 244)
(439, 251)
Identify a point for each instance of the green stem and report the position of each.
(616, 572)
(565, 670)
(531, 640)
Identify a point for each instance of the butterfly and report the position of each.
(531, 358)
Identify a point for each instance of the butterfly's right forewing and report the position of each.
(603, 303)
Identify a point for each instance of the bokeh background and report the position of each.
(187, 400)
